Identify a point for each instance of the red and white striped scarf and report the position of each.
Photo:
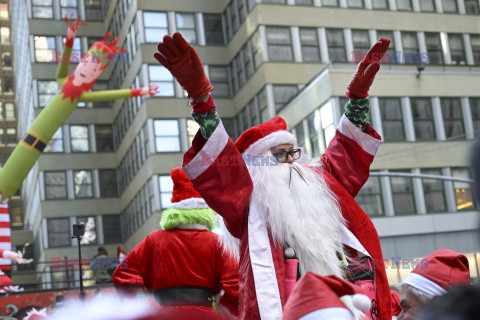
(5, 243)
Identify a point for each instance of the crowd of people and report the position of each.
(295, 243)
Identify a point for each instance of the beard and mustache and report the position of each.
(301, 212)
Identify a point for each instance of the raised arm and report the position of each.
(62, 71)
(213, 163)
(103, 95)
(350, 153)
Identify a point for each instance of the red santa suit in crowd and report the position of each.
(327, 220)
(185, 255)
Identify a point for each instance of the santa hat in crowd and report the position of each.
(257, 140)
(318, 297)
(188, 207)
(439, 271)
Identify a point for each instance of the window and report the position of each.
(246, 53)
(213, 29)
(411, 53)
(391, 55)
(427, 5)
(256, 45)
(166, 188)
(68, 8)
(42, 9)
(6, 59)
(167, 137)
(434, 191)
(313, 129)
(111, 226)
(449, 6)
(5, 35)
(7, 84)
(93, 10)
(279, 44)
(44, 46)
(361, 41)
(452, 117)
(355, 3)
(300, 135)
(58, 231)
(163, 79)
(11, 136)
(46, 91)
(2, 141)
(402, 194)
(76, 50)
(156, 26)
(263, 105)
(404, 5)
(79, 138)
(309, 43)
(475, 110)
(304, 2)
(55, 185)
(187, 27)
(282, 94)
(104, 137)
(330, 3)
(392, 120)
(463, 192)
(434, 48)
(380, 4)
(471, 7)
(326, 123)
(82, 184)
(422, 118)
(370, 197)
(457, 49)
(336, 45)
(56, 143)
(108, 183)
(4, 11)
(9, 110)
(475, 42)
(90, 236)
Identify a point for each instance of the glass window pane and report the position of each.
(427, 5)
(449, 5)
(108, 183)
(380, 4)
(111, 226)
(55, 185)
(83, 184)
(56, 143)
(404, 5)
(155, 19)
(90, 236)
(463, 192)
(104, 138)
(433, 190)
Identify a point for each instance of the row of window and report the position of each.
(50, 9)
(59, 230)
(410, 197)
(80, 184)
(397, 119)
(78, 139)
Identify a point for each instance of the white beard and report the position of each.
(301, 212)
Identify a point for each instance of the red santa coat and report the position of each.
(181, 258)
(216, 170)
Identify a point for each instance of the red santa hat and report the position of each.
(439, 271)
(257, 140)
(318, 297)
(184, 195)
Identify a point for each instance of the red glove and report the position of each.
(183, 62)
(363, 77)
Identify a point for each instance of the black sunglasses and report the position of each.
(282, 156)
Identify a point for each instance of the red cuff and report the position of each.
(69, 42)
(136, 92)
(203, 107)
(353, 97)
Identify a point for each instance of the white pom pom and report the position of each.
(289, 252)
(362, 302)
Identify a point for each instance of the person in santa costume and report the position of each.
(432, 277)
(184, 265)
(286, 211)
(317, 297)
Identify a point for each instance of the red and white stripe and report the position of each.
(5, 242)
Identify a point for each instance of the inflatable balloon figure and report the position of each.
(74, 89)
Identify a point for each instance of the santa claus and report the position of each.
(185, 265)
(282, 207)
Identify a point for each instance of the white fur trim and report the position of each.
(264, 275)
(349, 239)
(329, 314)
(362, 302)
(368, 143)
(196, 226)
(191, 203)
(274, 139)
(423, 284)
(212, 149)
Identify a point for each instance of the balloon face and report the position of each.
(88, 70)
